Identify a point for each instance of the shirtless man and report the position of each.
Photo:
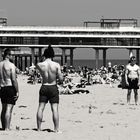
(9, 91)
(132, 77)
(50, 72)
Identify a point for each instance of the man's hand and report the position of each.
(127, 84)
(16, 96)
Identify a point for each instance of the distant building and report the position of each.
(110, 33)
(3, 21)
(110, 23)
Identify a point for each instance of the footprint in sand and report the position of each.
(25, 118)
(22, 106)
(133, 108)
(122, 104)
(101, 126)
(78, 121)
(115, 103)
(110, 112)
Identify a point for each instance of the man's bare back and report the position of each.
(50, 72)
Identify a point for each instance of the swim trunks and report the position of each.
(49, 93)
(7, 95)
(133, 83)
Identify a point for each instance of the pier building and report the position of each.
(111, 33)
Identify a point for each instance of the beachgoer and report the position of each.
(9, 91)
(50, 72)
(132, 77)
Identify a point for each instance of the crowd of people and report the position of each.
(85, 76)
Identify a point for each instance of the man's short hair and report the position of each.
(49, 52)
(7, 52)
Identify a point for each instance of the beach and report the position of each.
(100, 115)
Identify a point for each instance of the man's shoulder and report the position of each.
(12, 64)
(55, 63)
(137, 66)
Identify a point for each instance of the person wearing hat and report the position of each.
(132, 77)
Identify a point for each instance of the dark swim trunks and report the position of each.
(7, 95)
(133, 83)
(49, 93)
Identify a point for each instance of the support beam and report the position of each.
(21, 63)
(25, 62)
(63, 55)
(71, 56)
(0, 54)
(36, 59)
(33, 56)
(104, 57)
(40, 53)
(137, 56)
(61, 60)
(97, 58)
(65, 58)
(16, 61)
(30, 60)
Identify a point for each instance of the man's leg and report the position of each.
(8, 115)
(3, 115)
(128, 95)
(136, 96)
(40, 115)
(55, 115)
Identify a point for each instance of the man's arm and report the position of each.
(126, 76)
(59, 74)
(139, 76)
(14, 79)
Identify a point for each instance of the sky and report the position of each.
(70, 13)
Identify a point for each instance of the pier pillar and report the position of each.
(61, 60)
(36, 59)
(137, 56)
(65, 58)
(0, 54)
(71, 56)
(40, 53)
(25, 62)
(21, 63)
(33, 56)
(30, 60)
(16, 60)
(63, 55)
(97, 58)
(104, 57)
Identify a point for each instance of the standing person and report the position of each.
(9, 91)
(132, 77)
(50, 72)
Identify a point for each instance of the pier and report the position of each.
(110, 33)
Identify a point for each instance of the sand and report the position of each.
(109, 118)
